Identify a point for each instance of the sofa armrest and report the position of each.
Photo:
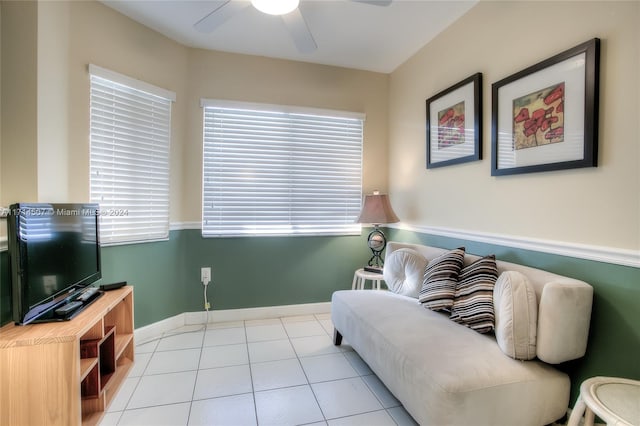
(564, 314)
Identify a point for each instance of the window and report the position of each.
(130, 135)
(273, 170)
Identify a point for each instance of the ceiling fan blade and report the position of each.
(375, 2)
(297, 26)
(220, 15)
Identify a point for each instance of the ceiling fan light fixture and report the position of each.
(275, 7)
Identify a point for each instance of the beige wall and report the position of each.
(101, 36)
(73, 34)
(1, 226)
(19, 102)
(595, 206)
(53, 101)
(217, 75)
(47, 48)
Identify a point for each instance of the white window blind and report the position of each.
(130, 138)
(272, 170)
(35, 225)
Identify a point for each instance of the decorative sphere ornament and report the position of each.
(376, 242)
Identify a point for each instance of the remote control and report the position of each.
(114, 286)
(87, 294)
(64, 310)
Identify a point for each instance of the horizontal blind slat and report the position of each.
(129, 161)
(280, 173)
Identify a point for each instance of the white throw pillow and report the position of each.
(403, 271)
(516, 315)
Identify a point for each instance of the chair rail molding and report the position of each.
(180, 226)
(611, 255)
(581, 251)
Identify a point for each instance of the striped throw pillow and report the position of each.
(440, 278)
(473, 303)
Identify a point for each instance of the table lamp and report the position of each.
(376, 210)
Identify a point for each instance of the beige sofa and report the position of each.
(447, 374)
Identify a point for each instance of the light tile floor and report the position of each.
(283, 371)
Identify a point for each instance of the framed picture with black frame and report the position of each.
(545, 117)
(454, 124)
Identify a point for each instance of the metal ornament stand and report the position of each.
(377, 243)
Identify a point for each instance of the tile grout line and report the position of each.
(155, 350)
(253, 389)
(359, 375)
(280, 321)
(195, 382)
(139, 379)
(315, 397)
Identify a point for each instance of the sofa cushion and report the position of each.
(403, 272)
(516, 311)
(442, 372)
(561, 300)
(473, 303)
(440, 279)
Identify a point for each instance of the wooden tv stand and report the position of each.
(67, 373)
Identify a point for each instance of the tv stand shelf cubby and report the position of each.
(67, 373)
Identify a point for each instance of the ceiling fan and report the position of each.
(287, 10)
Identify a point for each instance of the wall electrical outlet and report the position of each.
(205, 275)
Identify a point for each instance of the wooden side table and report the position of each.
(361, 276)
(614, 400)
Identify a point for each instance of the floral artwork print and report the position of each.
(451, 126)
(538, 118)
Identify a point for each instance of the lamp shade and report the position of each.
(376, 209)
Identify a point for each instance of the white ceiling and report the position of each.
(348, 33)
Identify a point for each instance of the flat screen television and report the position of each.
(54, 252)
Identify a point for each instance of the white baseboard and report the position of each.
(156, 330)
(256, 313)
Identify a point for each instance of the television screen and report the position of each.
(54, 251)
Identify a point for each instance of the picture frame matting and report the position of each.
(454, 124)
(545, 117)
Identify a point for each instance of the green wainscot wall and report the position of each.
(271, 271)
(247, 272)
